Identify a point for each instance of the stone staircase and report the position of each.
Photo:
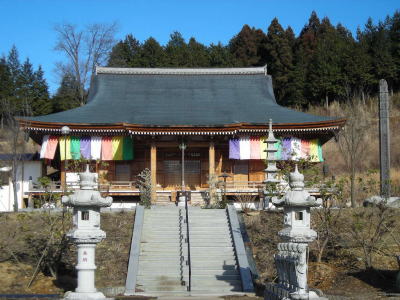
(160, 267)
(164, 199)
(163, 257)
(214, 266)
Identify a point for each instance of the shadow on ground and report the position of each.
(383, 280)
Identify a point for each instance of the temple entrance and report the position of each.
(241, 172)
(172, 170)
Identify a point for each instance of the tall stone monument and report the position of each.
(292, 258)
(384, 138)
(86, 233)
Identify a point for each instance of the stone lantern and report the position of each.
(292, 258)
(86, 233)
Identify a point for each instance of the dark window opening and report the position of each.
(299, 215)
(85, 215)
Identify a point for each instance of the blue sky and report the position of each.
(29, 23)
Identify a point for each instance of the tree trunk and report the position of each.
(363, 97)
(14, 183)
(321, 250)
(353, 189)
(326, 101)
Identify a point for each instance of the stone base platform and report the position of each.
(85, 296)
(276, 292)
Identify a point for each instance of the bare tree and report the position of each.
(84, 49)
(16, 137)
(352, 141)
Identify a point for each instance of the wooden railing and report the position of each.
(242, 184)
(117, 186)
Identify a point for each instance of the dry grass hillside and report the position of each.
(369, 111)
(25, 237)
(6, 144)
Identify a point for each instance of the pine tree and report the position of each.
(125, 53)
(356, 66)
(6, 84)
(67, 96)
(24, 87)
(40, 102)
(247, 47)
(290, 37)
(152, 54)
(176, 50)
(279, 58)
(198, 54)
(14, 64)
(303, 51)
(376, 40)
(324, 75)
(220, 56)
(308, 36)
(394, 33)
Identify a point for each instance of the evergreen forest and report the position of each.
(324, 63)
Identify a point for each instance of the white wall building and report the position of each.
(28, 169)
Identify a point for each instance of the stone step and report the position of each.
(160, 272)
(153, 258)
(209, 243)
(214, 268)
(220, 290)
(160, 288)
(215, 236)
(214, 272)
(232, 278)
(162, 228)
(155, 265)
(162, 212)
(145, 248)
(208, 230)
(205, 256)
(166, 230)
(159, 281)
(208, 223)
(173, 239)
(149, 237)
(158, 250)
(155, 222)
(213, 264)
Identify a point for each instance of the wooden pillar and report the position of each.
(211, 159)
(153, 168)
(62, 177)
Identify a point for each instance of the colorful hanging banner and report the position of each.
(75, 147)
(44, 146)
(255, 152)
(117, 145)
(88, 147)
(244, 147)
(288, 148)
(106, 148)
(234, 149)
(263, 148)
(65, 147)
(127, 149)
(95, 147)
(51, 147)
